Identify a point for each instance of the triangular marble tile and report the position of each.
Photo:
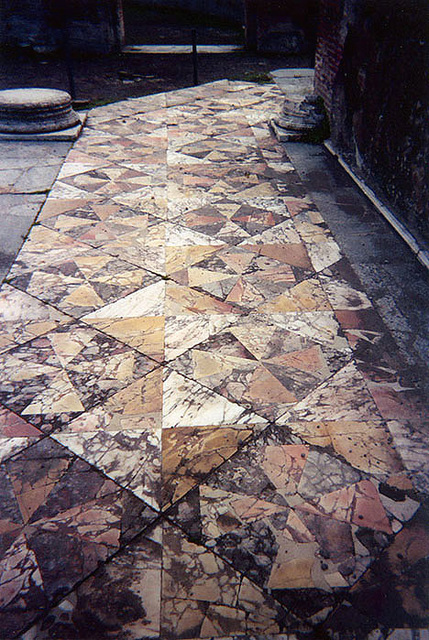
(132, 458)
(23, 318)
(189, 454)
(186, 331)
(143, 333)
(305, 296)
(188, 403)
(15, 433)
(343, 397)
(182, 300)
(147, 301)
(132, 235)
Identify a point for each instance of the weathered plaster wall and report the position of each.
(372, 69)
(281, 26)
(229, 9)
(93, 25)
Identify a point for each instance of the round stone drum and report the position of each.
(36, 111)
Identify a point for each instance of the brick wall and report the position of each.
(329, 49)
(372, 69)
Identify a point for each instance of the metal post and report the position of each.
(251, 24)
(59, 19)
(194, 56)
(68, 63)
(63, 14)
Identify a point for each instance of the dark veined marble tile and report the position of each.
(61, 519)
(121, 600)
(295, 520)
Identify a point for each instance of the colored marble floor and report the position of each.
(205, 429)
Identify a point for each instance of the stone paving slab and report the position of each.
(64, 135)
(27, 172)
(25, 156)
(206, 430)
(18, 214)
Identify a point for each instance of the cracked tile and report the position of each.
(344, 397)
(267, 512)
(367, 446)
(120, 600)
(203, 596)
(62, 518)
(187, 403)
(129, 234)
(243, 276)
(265, 484)
(189, 454)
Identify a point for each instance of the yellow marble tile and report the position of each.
(182, 300)
(365, 445)
(142, 398)
(61, 397)
(305, 296)
(293, 574)
(198, 276)
(146, 334)
(83, 296)
(177, 258)
(190, 453)
(54, 207)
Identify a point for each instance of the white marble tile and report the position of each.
(188, 403)
(323, 254)
(283, 233)
(132, 458)
(413, 450)
(145, 302)
(23, 318)
(177, 236)
(184, 332)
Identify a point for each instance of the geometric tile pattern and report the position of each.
(292, 517)
(205, 429)
(56, 376)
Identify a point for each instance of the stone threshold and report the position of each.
(181, 48)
